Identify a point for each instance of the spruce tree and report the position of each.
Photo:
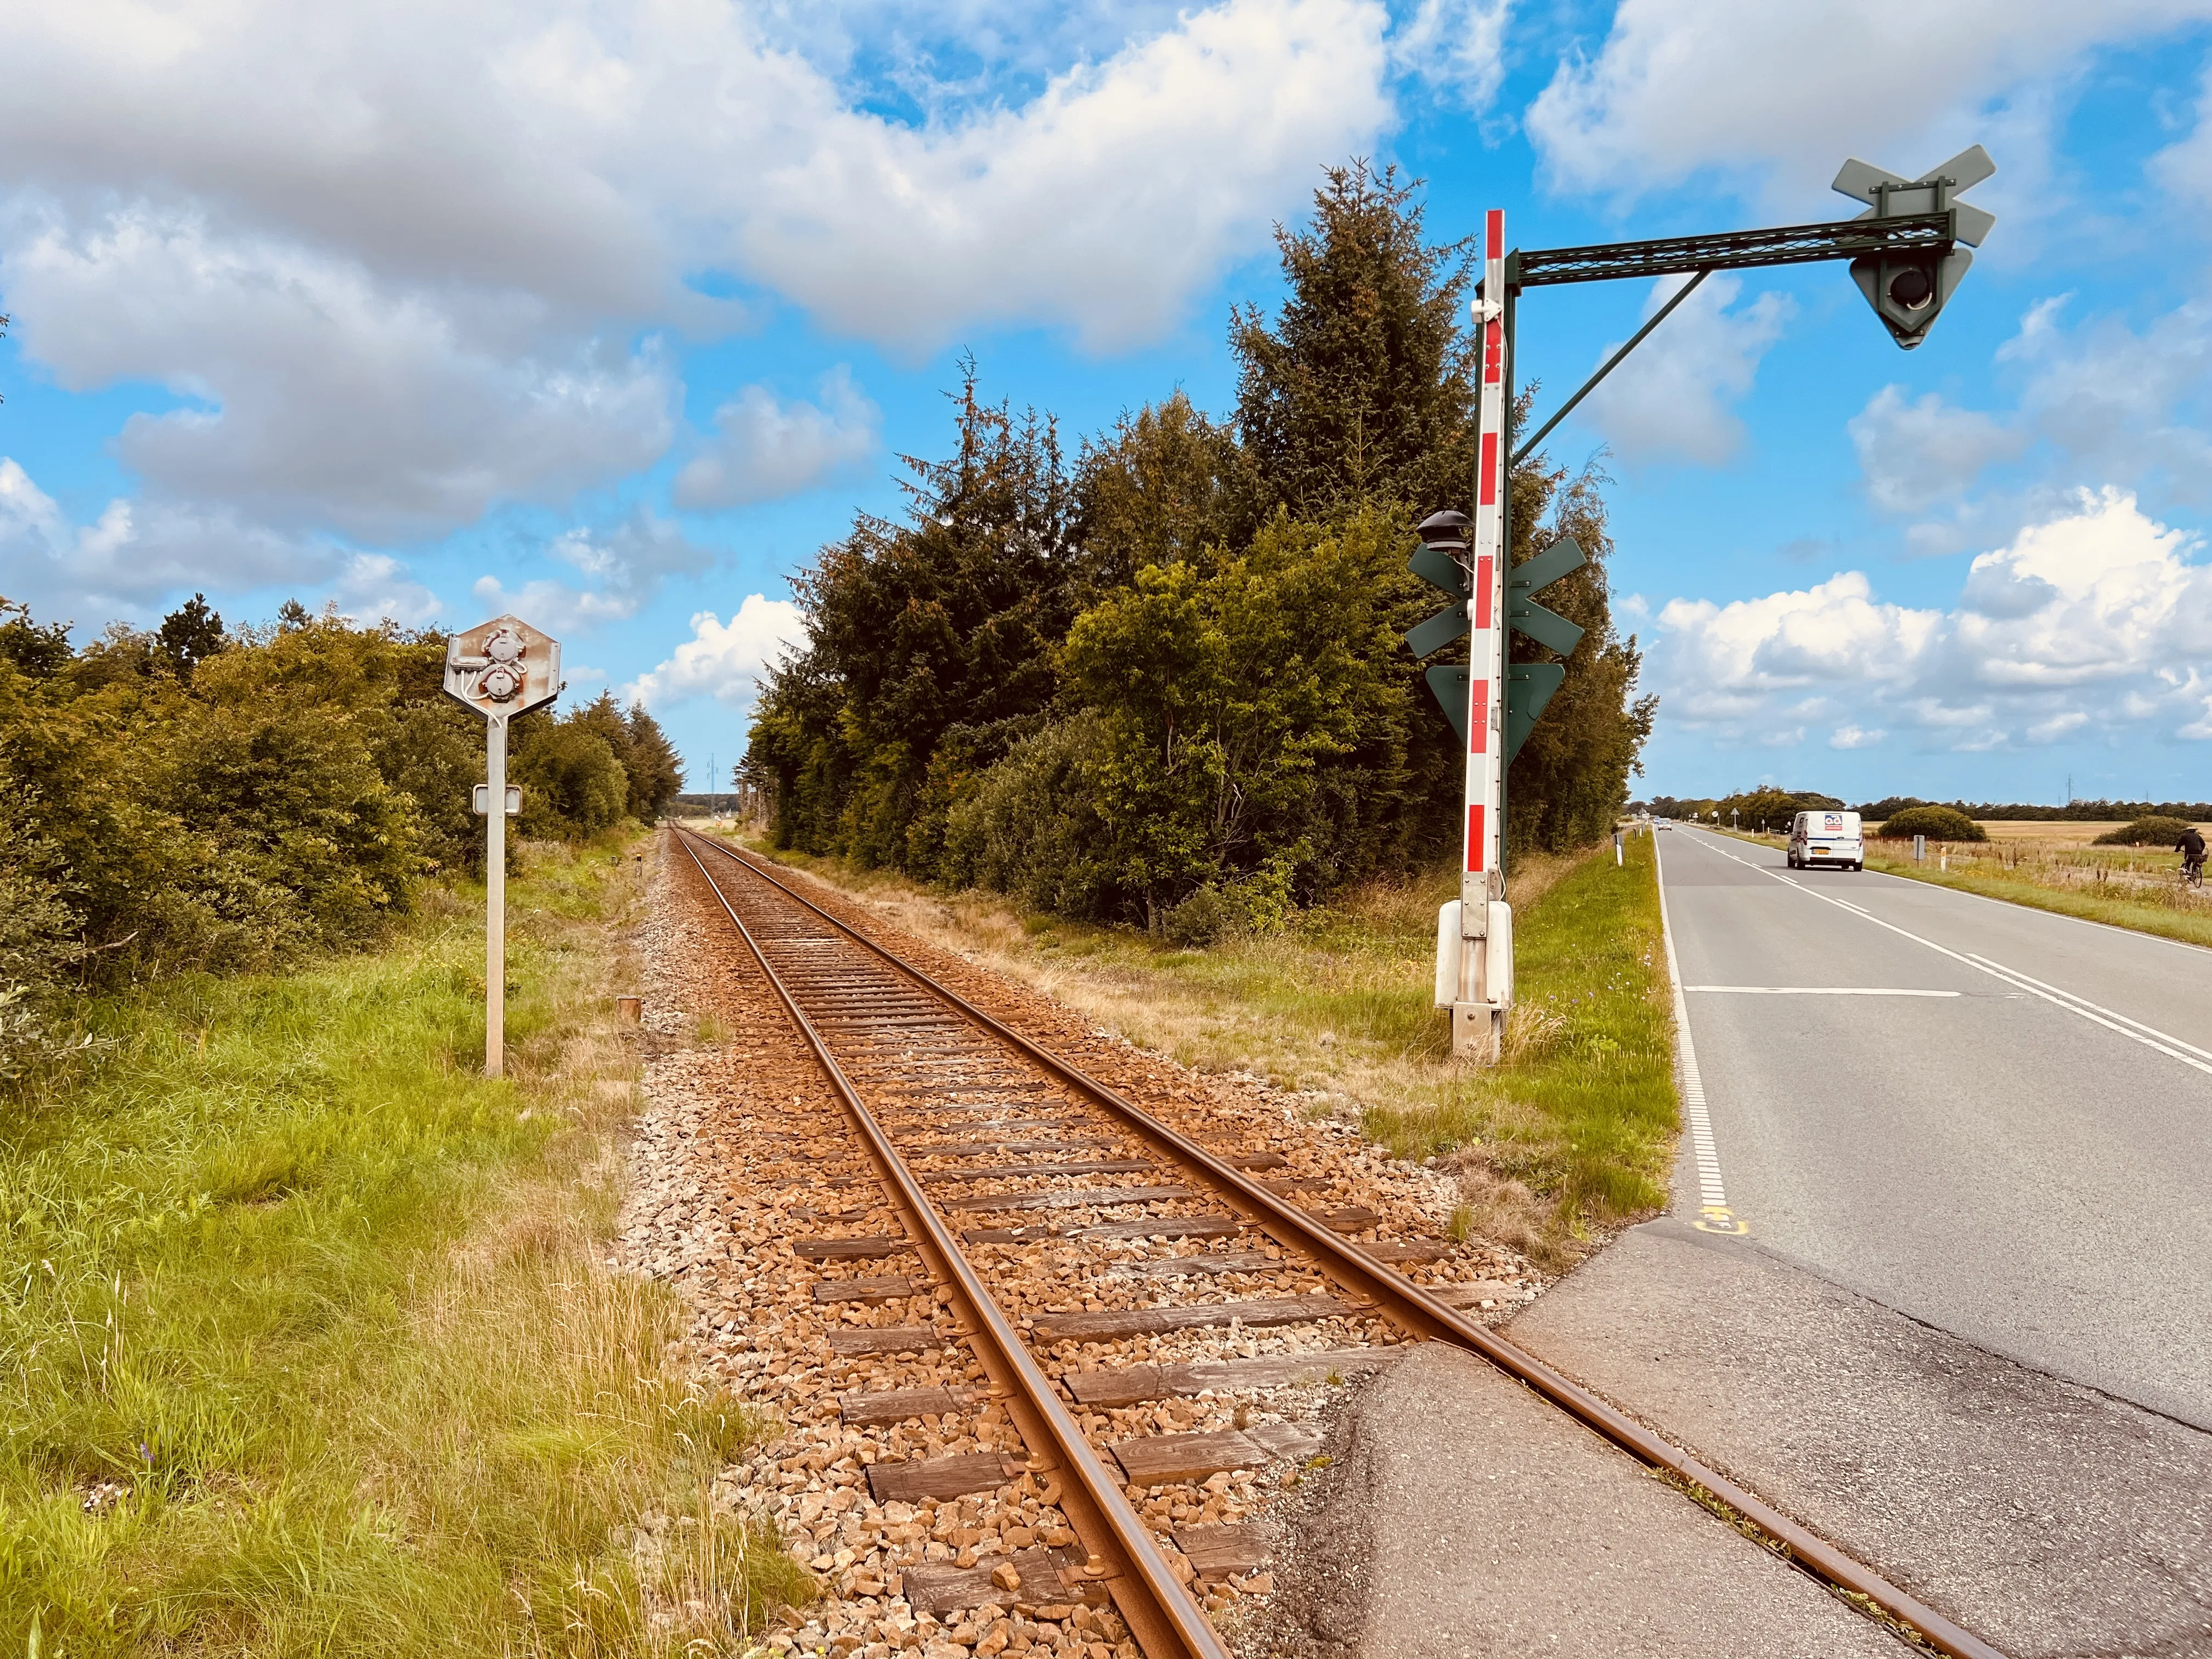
(929, 644)
(1166, 485)
(189, 634)
(1363, 389)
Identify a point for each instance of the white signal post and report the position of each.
(501, 669)
(1486, 956)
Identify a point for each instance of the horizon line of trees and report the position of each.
(1767, 802)
(194, 797)
(1163, 681)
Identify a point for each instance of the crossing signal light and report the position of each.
(1530, 685)
(1908, 290)
(1440, 562)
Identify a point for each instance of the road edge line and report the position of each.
(1713, 1213)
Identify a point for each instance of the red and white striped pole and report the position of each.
(1486, 952)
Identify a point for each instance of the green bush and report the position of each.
(1029, 825)
(193, 799)
(1261, 903)
(1936, 823)
(2155, 830)
(572, 786)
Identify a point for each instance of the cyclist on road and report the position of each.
(2191, 848)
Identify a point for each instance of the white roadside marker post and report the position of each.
(501, 669)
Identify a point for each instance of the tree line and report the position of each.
(1769, 806)
(1162, 680)
(195, 797)
(1764, 808)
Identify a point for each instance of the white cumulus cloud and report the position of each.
(626, 566)
(401, 264)
(322, 397)
(135, 551)
(1455, 46)
(377, 588)
(2097, 618)
(1670, 400)
(2184, 167)
(1914, 454)
(763, 449)
(1780, 94)
(723, 661)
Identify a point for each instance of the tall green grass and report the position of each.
(1582, 1111)
(2120, 887)
(305, 1345)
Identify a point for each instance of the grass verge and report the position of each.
(306, 1345)
(1571, 1137)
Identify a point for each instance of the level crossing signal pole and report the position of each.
(500, 669)
(1907, 253)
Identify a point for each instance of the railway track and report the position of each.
(985, 1147)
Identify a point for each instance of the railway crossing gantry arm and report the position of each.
(1907, 253)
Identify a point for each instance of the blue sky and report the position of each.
(613, 313)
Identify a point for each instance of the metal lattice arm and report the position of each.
(1734, 250)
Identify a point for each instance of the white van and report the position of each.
(1831, 838)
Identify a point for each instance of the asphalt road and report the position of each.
(2022, 1160)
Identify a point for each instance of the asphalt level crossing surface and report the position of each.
(1993, 1119)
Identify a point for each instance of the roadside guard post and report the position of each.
(501, 669)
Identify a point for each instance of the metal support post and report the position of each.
(501, 669)
(1479, 1003)
(495, 898)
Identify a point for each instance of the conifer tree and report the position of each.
(1362, 390)
(929, 644)
(188, 635)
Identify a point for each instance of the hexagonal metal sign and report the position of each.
(503, 667)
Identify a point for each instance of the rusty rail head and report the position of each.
(1165, 1621)
(1413, 1308)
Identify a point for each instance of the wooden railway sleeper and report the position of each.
(1166, 1622)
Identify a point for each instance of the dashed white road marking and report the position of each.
(1713, 1213)
(2134, 1030)
(1819, 991)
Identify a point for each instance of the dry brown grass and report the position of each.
(2048, 866)
(2047, 834)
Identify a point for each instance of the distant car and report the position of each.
(1663, 823)
(1834, 839)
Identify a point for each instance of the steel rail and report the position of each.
(1165, 1621)
(1414, 1308)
